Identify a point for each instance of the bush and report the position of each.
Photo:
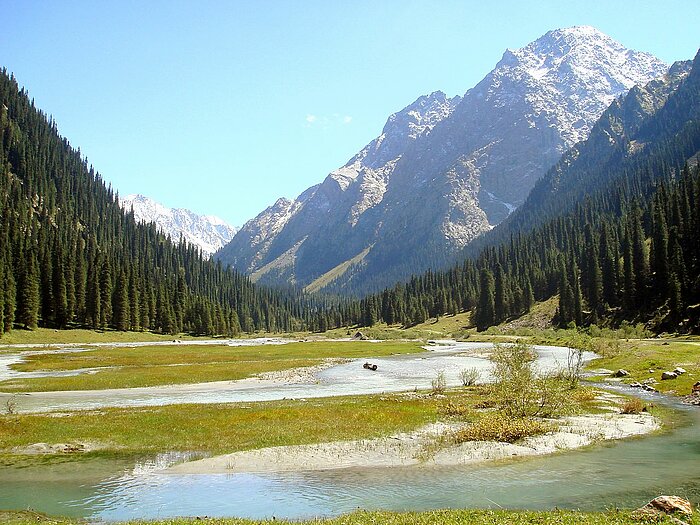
(519, 391)
(497, 427)
(439, 384)
(632, 406)
(451, 409)
(469, 376)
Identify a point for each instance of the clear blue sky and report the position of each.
(224, 106)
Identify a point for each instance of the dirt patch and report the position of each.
(304, 374)
(55, 448)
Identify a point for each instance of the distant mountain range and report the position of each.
(208, 232)
(443, 171)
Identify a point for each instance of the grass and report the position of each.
(432, 517)
(48, 336)
(640, 356)
(182, 363)
(226, 428)
(222, 428)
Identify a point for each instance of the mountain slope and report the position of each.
(207, 232)
(444, 170)
(612, 232)
(629, 132)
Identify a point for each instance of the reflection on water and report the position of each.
(623, 474)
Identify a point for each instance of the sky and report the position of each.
(224, 106)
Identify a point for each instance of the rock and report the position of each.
(696, 387)
(359, 336)
(651, 370)
(679, 371)
(668, 375)
(650, 381)
(665, 505)
(649, 388)
(636, 385)
(621, 373)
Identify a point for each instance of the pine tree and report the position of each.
(485, 314)
(120, 306)
(28, 293)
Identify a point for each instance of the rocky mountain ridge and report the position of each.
(443, 170)
(208, 232)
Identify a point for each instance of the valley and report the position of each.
(488, 314)
(126, 451)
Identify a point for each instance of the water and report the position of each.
(622, 474)
(395, 374)
(614, 474)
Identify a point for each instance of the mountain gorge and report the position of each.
(443, 171)
(208, 232)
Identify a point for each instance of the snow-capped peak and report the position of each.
(579, 68)
(208, 232)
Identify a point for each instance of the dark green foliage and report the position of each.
(485, 314)
(70, 256)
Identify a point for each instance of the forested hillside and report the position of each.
(613, 229)
(70, 256)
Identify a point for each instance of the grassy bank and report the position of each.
(649, 358)
(49, 336)
(226, 428)
(220, 428)
(182, 363)
(433, 517)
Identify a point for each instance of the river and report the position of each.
(616, 474)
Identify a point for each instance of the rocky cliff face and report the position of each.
(444, 170)
(205, 231)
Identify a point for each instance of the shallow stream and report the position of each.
(615, 474)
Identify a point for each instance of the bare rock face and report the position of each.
(444, 170)
(665, 505)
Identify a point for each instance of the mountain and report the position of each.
(207, 232)
(626, 132)
(443, 171)
(612, 231)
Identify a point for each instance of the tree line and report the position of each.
(70, 256)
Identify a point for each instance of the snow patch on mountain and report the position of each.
(208, 232)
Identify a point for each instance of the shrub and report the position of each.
(469, 376)
(497, 427)
(439, 384)
(632, 406)
(519, 391)
(451, 409)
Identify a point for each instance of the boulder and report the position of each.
(668, 375)
(359, 336)
(696, 387)
(636, 385)
(621, 373)
(679, 371)
(665, 505)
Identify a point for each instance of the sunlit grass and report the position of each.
(222, 428)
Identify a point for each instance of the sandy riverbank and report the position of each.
(419, 448)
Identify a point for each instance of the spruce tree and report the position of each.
(485, 314)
